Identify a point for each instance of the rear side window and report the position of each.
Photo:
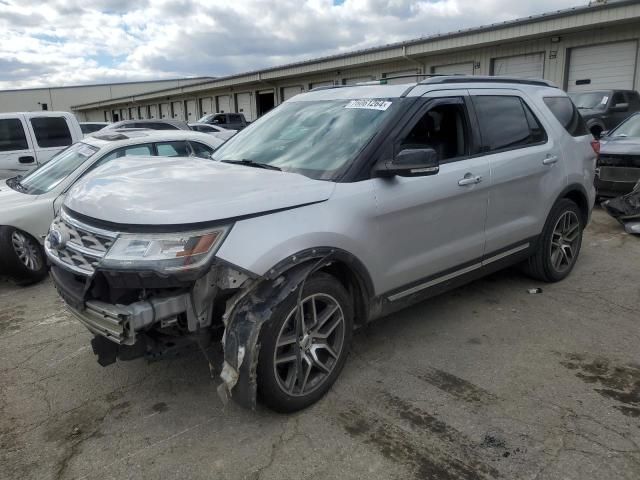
(567, 114)
(51, 132)
(12, 135)
(506, 123)
(200, 150)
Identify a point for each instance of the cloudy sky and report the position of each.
(68, 42)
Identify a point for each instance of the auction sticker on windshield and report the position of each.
(369, 104)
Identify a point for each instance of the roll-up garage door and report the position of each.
(407, 76)
(164, 110)
(454, 69)
(608, 66)
(178, 114)
(288, 92)
(192, 114)
(224, 103)
(244, 103)
(354, 80)
(142, 111)
(153, 111)
(206, 106)
(328, 83)
(521, 66)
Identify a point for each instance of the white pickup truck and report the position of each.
(30, 139)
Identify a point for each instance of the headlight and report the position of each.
(164, 251)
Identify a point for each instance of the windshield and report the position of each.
(629, 128)
(590, 100)
(206, 118)
(316, 139)
(48, 176)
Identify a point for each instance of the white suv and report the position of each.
(340, 206)
(29, 203)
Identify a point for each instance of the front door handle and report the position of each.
(469, 179)
(28, 159)
(550, 160)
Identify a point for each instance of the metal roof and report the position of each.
(591, 7)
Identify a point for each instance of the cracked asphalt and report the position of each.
(485, 382)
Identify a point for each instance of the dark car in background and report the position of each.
(230, 121)
(603, 110)
(148, 124)
(618, 168)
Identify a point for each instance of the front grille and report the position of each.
(84, 246)
(619, 160)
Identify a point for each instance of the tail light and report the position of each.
(595, 144)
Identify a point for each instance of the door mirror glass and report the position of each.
(417, 162)
(620, 107)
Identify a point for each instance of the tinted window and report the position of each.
(220, 119)
(12, 135)
(618, 97)
(173, 149)
(634, 99)
(91, 127)
(567, 114)
(200, 150)
(51, 131)
(236, 119)
(504, 123)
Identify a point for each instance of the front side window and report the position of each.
(567, 114)
(505, 123)
(12, 135)
(220, 119)
(173, 149)
(442, 128)
(51, 131)
(201, 150)
(314, 138)
(48, 176)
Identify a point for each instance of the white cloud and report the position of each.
(65, 42)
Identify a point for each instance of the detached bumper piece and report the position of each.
(626, 209)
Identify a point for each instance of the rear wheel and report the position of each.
(559, 244)
(304, 346)
(21, 256)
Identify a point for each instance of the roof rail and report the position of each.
(486, 79)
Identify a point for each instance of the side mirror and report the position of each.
(620, 107)
(419, 162)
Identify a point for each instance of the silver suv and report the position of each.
(338, 207)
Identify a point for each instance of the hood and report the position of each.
(161, 191)
(589, 113)
(10, 198)
(620, 146)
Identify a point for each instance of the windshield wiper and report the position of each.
(251, 163)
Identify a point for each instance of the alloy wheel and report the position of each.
(26, 250)
(565, 241)
(309, 344)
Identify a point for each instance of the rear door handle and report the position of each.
(28, 159)
(550, 160)
(469, 179)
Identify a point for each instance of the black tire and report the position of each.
(542, 265)
(23, 272)
(318, 288)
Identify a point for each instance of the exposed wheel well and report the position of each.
(579, 199)
(354, 285)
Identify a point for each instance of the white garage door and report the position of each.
(328, 83)
(354, 80)
(153, 111)
(521, 66)
(164, 110)
(192, 114)
(224, 103)
(602, 66)
(408, 76)
(206, 106)
(142, 111)
(244, 103)
(454, 68)
(288, 92)
(178, 114)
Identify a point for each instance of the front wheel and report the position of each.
(305, 345)
(21, 256)
(559, 244)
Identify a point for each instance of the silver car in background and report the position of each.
(338, 207)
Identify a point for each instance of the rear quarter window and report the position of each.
(567, 114)
(51, 132)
